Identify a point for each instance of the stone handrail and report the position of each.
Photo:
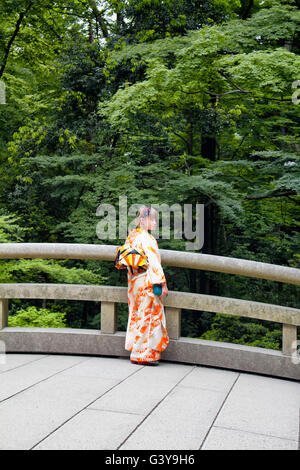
(182, 349)
(180, 259)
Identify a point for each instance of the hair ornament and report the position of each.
(145, 211)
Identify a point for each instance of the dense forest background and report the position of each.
(176, 101)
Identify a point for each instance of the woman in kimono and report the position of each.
(146, 334)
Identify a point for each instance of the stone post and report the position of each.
(173, 320)
(289, 339)
(109, 316)
(3, 313)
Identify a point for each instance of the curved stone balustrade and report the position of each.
(108, 341)
(180, 259)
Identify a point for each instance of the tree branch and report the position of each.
(215, 95)
(13, 37)
(266, 196)
(224, 75)
(294, 200)
(181, 137)
(218, 95)
(77, 15)
(51, 28)
(99, 17)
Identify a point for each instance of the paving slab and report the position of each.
(232, 439)
(103, 367)
(17, 379)
(11, 361)
(181, 421)
(30, 416)
(165, 372)
(184, 417)
(206, 378)
(141, 392)
(92, 430)
(263, 405)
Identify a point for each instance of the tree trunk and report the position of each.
(13, 37)
(209, 151)
(91, 33)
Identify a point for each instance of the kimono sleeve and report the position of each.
(155, 270)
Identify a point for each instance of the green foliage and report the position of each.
(37, 317)
(40, 270)
(10, 230)
(148, 20)
(233, 329)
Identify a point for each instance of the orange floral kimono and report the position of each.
(146, 334)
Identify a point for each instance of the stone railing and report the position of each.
(108, 341)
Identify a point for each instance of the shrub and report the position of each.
(37, 317)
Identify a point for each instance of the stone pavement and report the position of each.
(82, 402)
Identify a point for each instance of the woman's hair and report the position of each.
(145, 211)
